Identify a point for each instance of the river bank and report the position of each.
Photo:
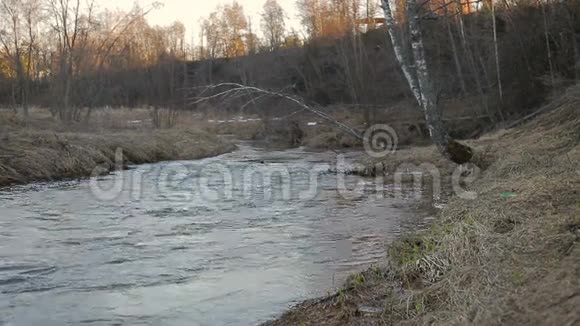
(511, 255)
(30, 154)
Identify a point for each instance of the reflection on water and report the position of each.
(164, 256)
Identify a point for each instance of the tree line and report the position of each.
(502, 56)
(65, 54)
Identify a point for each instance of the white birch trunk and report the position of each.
(421, 84)
(427, 92)
(398, 48)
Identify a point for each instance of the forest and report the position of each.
(499, 59)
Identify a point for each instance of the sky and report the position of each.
(190, 12)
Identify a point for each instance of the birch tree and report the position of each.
(416, 71)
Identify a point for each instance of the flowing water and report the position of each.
(206, 242)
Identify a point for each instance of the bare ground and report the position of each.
(511, 256)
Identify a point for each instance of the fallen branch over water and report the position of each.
(235, 90)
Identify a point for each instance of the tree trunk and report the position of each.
(456, 58)
(88, 115)
(472, 64)
(155, 117)
(25, 110)
(398, 48)
(66, 96)
(20, 96)
(496, 52)
(419, 80)
(575, 37)
(26, 93)
(548, 47)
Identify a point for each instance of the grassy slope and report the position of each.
(487, 261)
(28, 155)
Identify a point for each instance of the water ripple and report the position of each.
(72, 259)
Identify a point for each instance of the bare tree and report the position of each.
(224, 32)
(273, 24)
(469, 53)
(547, 39)
(233, 24)
(419, 79)
(456, 59)
(33, 17)
(229, 91)
(574, 35)
(252, 40)
(17, 39)
(67, 25)
(496, 51)
(212, 35)
(311, 14)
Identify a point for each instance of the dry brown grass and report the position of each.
(491, 261)
(42, 149)
(251, 130)
(404, 118)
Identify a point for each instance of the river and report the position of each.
(206, 242)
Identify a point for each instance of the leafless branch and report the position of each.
(235, 89)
